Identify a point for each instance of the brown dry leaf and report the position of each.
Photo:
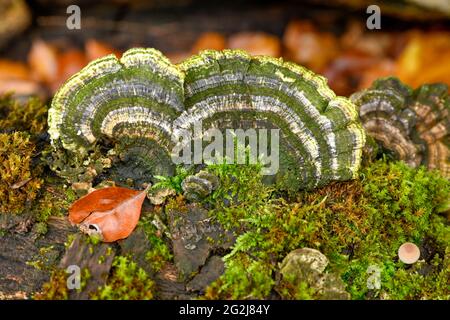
(256, 43)
(425, 59)
(111, 212)
(209, 40)
(43, 61)
(96, 49)
(306, 45)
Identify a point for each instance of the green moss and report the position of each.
(84, 278)
(127, 282)
(30, 116)
(176, 203)
(19, 176)
(160, 253)
(173, 182)
(245, 278)
(70, 238)
(291, 289)
(101, 260)
(55, 288)
(54, 200)
(355, 224)
(92, 240)
(240, 194)
(46, 259)
(71, 196)
(41, 228)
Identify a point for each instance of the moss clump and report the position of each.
(18, 173)
(46, 259)
(245, 278)
(127, 282)
(173, 182)
(291, 289)
(55, 288)
(356, 224)
(402, 205)
(160, 253)
(30, 116)
(54, 200)
(240, 194)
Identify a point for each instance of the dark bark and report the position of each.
(26, 258)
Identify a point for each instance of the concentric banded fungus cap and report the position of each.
(409, 253)
(320, 136)
(146, 103)
(131, 101)
(199, 186)
(414, 125)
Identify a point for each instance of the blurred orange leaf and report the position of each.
(69, 63)
(307, 46)
(96, 49)
(256, 43)
(43, 61)
(13, 70)
(425, 59)
(209, 40)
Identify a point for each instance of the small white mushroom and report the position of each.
(409, 253)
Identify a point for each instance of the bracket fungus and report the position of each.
(146, 103)
(132, 101)
(413, 124)
(199, 186)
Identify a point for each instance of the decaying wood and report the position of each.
(26, 258)
(96, 258)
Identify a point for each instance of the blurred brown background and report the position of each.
(38, 52)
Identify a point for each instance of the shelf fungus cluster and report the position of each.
(414, 125)
(148, 105)
(132, 101)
